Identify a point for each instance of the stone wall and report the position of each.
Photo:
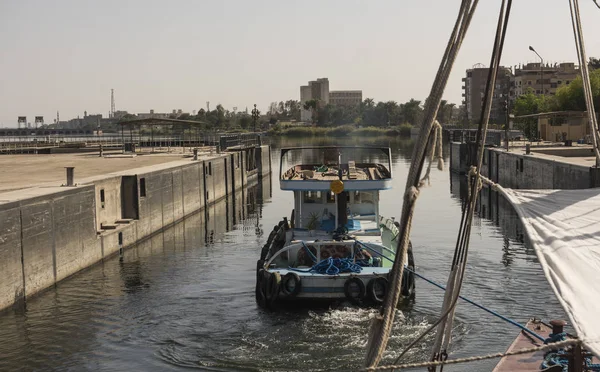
(517, 170)
(60, 231)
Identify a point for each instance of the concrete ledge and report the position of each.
(49, 233)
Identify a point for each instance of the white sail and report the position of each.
(564, 229)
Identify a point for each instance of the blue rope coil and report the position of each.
(559, 357)
(332, 266)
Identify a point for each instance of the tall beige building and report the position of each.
(345, 97)
(316, 89)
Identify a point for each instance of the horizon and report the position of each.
(68, 55)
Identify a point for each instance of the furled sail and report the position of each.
(564, 229)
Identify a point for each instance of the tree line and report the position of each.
(374, 114)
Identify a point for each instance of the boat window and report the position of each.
(312, 197)
(367, 197)
(357, 196)
(330, 197)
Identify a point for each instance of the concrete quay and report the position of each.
(543, 168)
(49, 232)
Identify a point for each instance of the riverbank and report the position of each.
(50, 231)
(340, 131)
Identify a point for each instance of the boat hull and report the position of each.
(286, 271)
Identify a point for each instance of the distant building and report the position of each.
(474, 92)
(316, 89)
(554, 76)
(562, 126)
(345, 97)
(159, 115)
(119, 114)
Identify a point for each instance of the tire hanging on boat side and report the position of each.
(259, 292)
(285, 285)
(348, 290)
(376, 285)
(272, 285)
(408, 280)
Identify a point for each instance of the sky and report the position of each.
(66, 55)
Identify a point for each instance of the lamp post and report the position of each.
(542, 67)
(255, 114)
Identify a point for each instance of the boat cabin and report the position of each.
(335, 192)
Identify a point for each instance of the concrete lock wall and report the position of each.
(108, 201)
(58, 236)
(47, 238)
(11, 268)
(521, 171)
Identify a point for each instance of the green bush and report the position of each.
(405, 129)
(341, 131)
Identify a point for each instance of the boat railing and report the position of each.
(352, 248)
(342, 150)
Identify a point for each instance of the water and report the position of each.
(185, 298)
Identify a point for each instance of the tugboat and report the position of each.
(335, 246)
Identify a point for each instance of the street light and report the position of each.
(542, 67)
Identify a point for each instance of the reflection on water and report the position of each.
(184, 299)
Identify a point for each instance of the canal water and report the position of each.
(184, 299)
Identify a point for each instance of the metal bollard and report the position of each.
(195, 154)
(70, 175)
(557, 326)
(527, 149)
(101, 150)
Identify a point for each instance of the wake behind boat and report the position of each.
(335, 246)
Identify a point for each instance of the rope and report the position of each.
(381, 325)
(583, 67)
(560, 356)
(480, 306)
(334, 266)
(435, 152)
(444, 323)
(330, 265)
(547, 347)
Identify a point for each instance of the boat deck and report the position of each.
(531, 361)
(525, 362)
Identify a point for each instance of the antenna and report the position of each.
(112, 104)
(207, 106)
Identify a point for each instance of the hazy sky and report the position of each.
(164, 55)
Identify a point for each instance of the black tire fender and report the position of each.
(259, 292)
(348, 290)
(372, 290)
(285, 281)
(272, 286)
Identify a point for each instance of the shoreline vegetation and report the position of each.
(339, 131)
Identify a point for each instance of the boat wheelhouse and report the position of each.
(335, 245)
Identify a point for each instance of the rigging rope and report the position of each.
(444, 323)
(455, 280)
(583, 67)
(435, 152)
(523, 328)
(435, 363)
(381, 325)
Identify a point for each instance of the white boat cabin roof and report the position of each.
(355, 166)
